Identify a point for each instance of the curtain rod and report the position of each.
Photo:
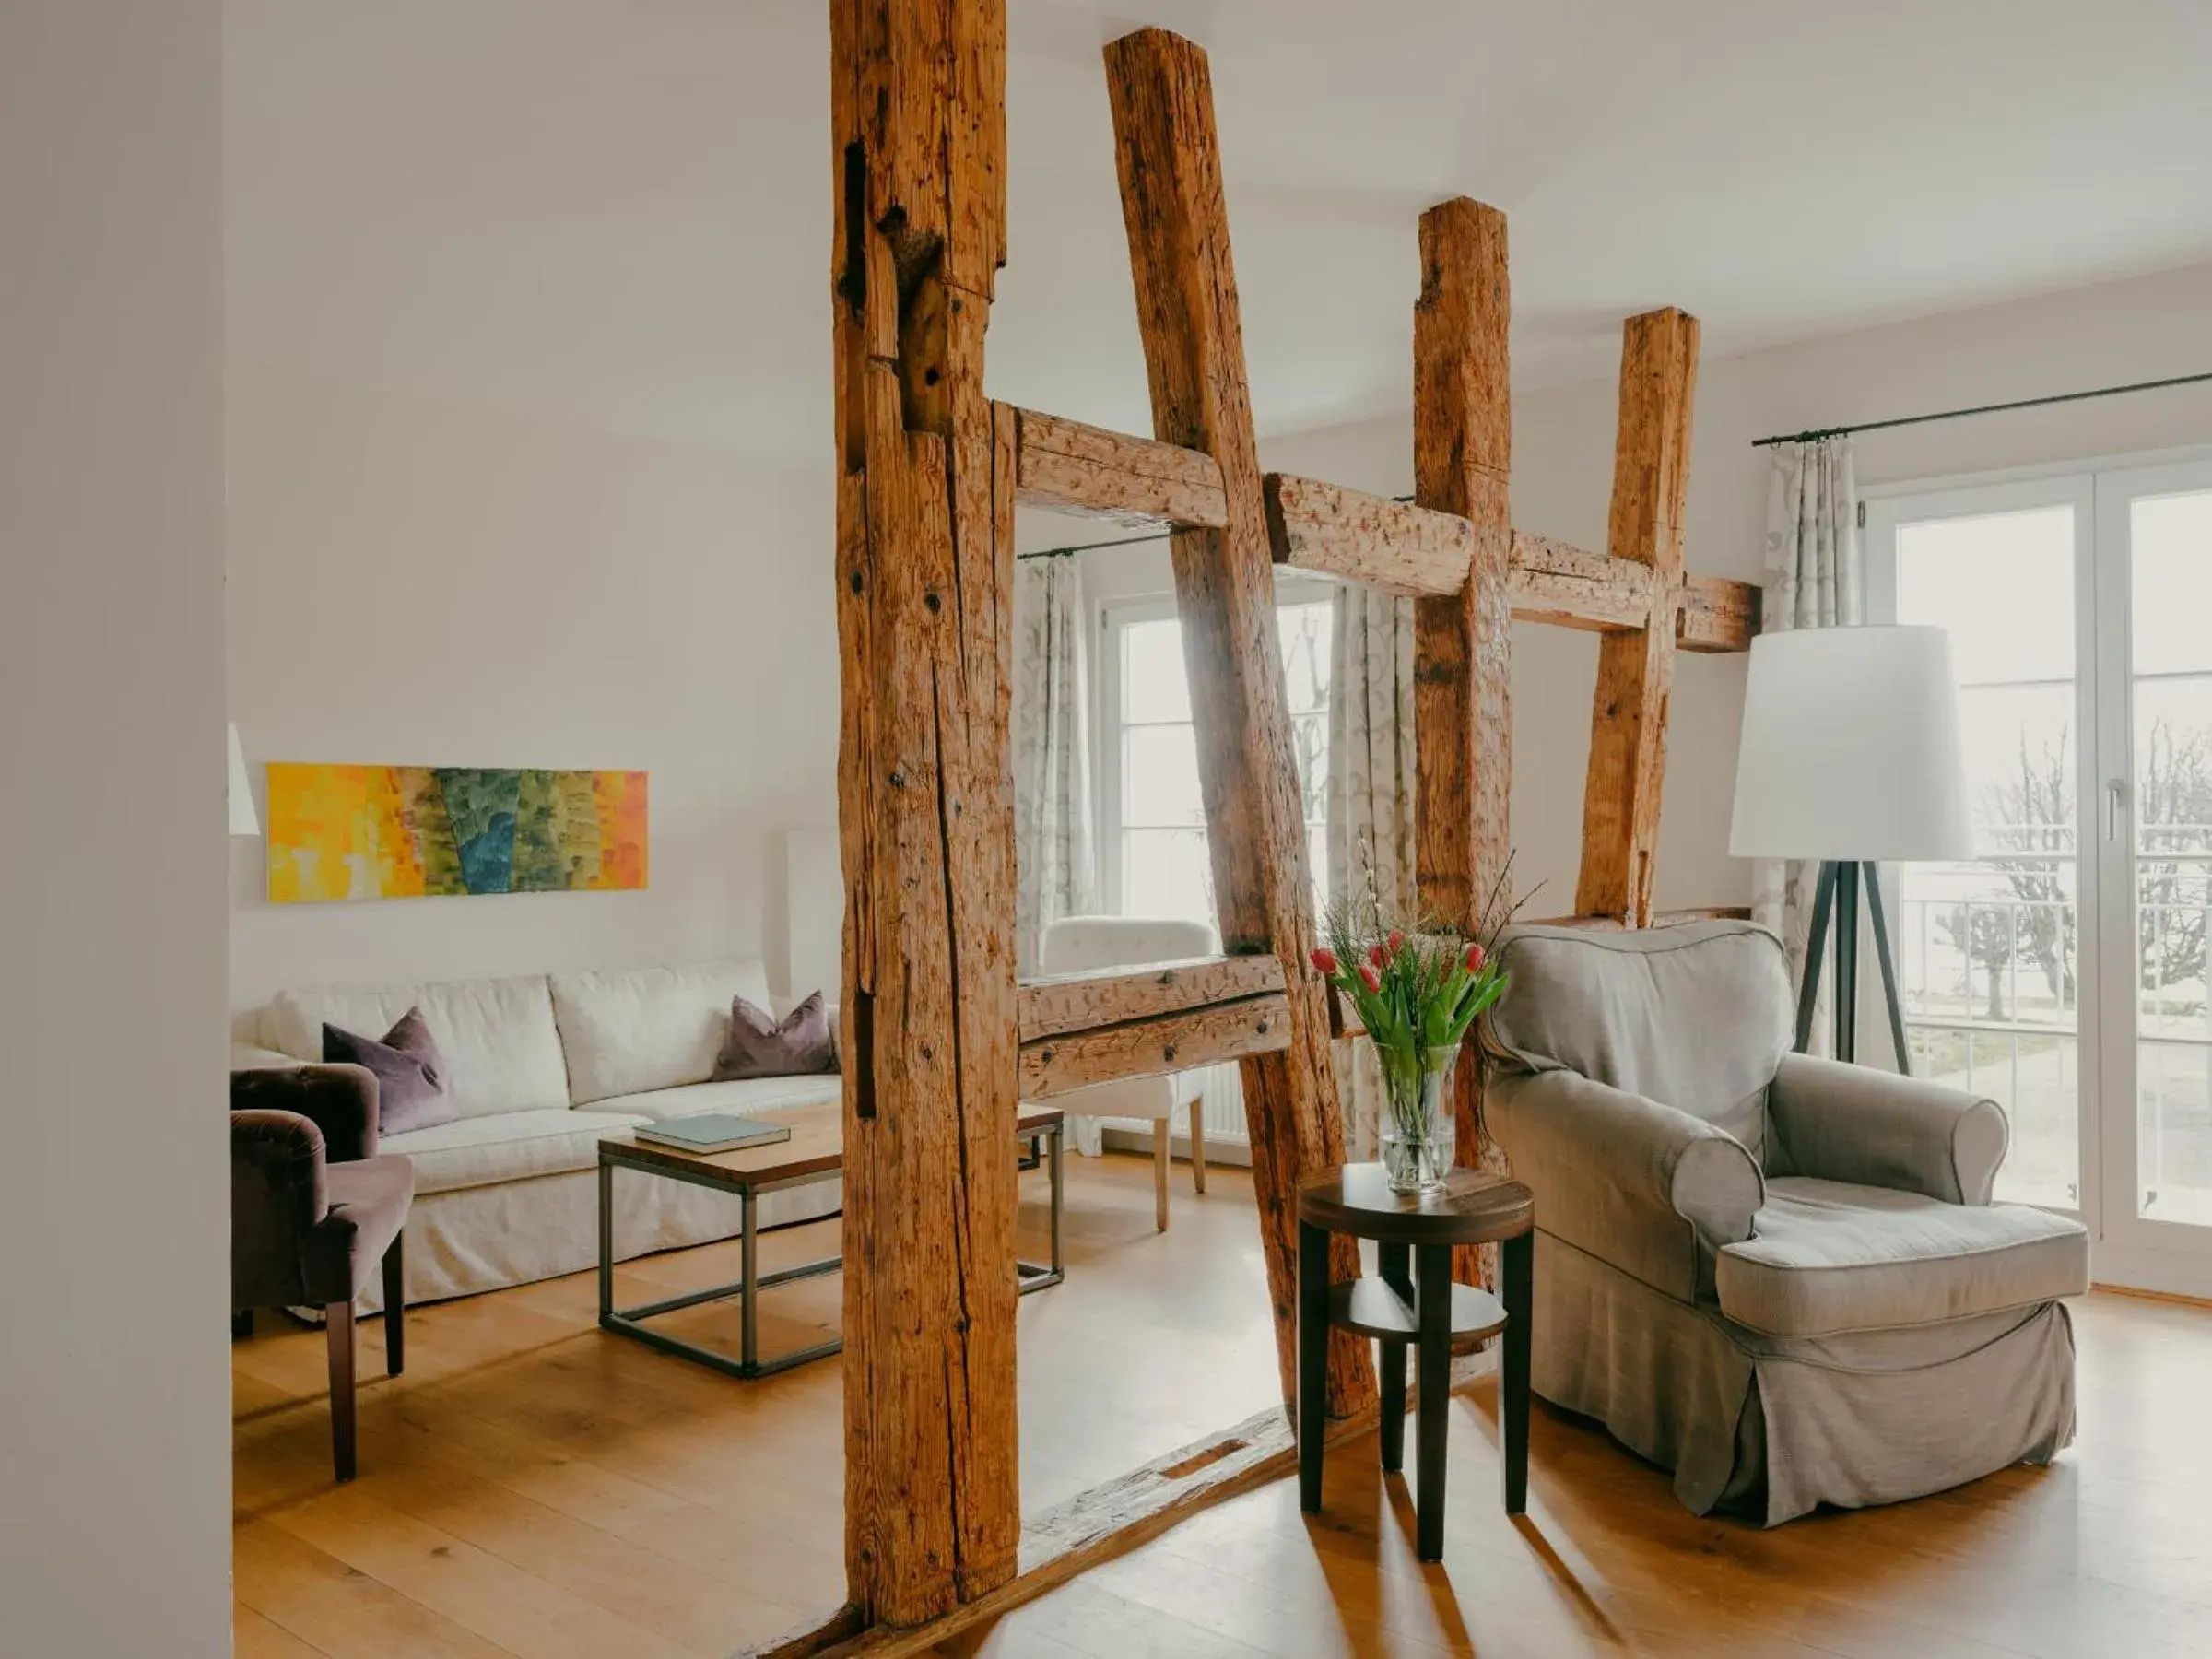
(2023, 403)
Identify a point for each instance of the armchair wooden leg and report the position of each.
(1161, 1152)
(241, 1323)
(395, 1310)
(1198, 1143)
(337, 1329)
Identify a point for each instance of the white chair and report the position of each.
(1084, 944)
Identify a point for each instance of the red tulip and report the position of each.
(1477, 955)
(1397, 943)
(1378, 955)
(1325, 961)
(1369, 977)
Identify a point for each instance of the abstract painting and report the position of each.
(419, 832)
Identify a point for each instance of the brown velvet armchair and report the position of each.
(313, 1209)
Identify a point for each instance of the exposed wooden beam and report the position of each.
(1551, 582)
(1071, 467)
(1074, 1002)
(1170, 164)
(1090, 1528)
(1152, 1048)
(1635, 671)
(1394, 546)
(1717, 615)
(1463, 434)
(925, 587)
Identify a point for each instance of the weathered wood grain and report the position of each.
(1169, 165)
(1152, 1048)
(1635, 671)
(1071, 467)
(1074, 1002)
(1463, 434)
(1394, 546)
(1093, 1527)
(1551, 582)
(924, 577)
(1717, 615)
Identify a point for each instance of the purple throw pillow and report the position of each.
(410, 1074)
(758, 1046)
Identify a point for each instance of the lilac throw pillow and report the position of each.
(758, 1046)
(410, 1074)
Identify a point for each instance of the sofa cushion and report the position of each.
(1696, 1017)
(497, 1036)
(1826, 1257)
(749, 1095)
(510, 1145)
(760, 1045)
(636, 1029)
(410, 1074)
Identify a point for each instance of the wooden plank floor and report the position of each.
(534, 1487)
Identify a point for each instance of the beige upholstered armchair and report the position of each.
(1084, 944)
(1779, 1277)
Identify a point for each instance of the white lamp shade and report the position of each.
(243, 820)
(1850, 748)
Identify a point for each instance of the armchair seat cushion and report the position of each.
(369, 1202)
(1826, 1257)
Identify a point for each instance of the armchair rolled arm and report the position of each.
(1874, 1128)
(340, 1100)
(278, 1196)
(1653, 1190)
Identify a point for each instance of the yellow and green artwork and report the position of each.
(418, 832)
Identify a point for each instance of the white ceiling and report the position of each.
(616, 213)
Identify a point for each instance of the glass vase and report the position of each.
(1417, 1134)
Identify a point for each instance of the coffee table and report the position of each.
(815, 1152)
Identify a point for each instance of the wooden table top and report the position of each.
(816, 1146)
(1474, 1207)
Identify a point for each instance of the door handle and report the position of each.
(2116, 798)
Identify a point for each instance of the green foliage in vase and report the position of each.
(1417, 986)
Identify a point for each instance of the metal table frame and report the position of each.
(1045, 1144)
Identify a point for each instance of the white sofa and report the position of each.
(540, 1067)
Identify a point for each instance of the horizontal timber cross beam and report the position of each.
(1405, 548)
(941, 1040)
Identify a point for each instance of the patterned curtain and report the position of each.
(1371, 797)
(1052, 751)
(1815, 579)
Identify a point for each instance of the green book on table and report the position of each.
(713, 1132)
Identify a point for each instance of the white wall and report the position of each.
(115, 1216)
(420, 582)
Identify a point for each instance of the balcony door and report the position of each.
(2063, 970)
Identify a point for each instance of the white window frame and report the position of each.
(2131, 1248)
(1106, 722)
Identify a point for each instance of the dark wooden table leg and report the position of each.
(1432, 1369)
(338, 1331)
(1313, 1360)
(395, 1310)
(1517, 1269)
(1394, 1260)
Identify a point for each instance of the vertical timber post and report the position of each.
(1177, 219)
(1462, 439)
(925, 586)
(1636, 670)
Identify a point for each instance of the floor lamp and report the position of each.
(1851, 757)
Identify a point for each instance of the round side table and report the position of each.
(1422, 1308)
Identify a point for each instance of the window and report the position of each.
(2064, 969)
(1153, 843)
